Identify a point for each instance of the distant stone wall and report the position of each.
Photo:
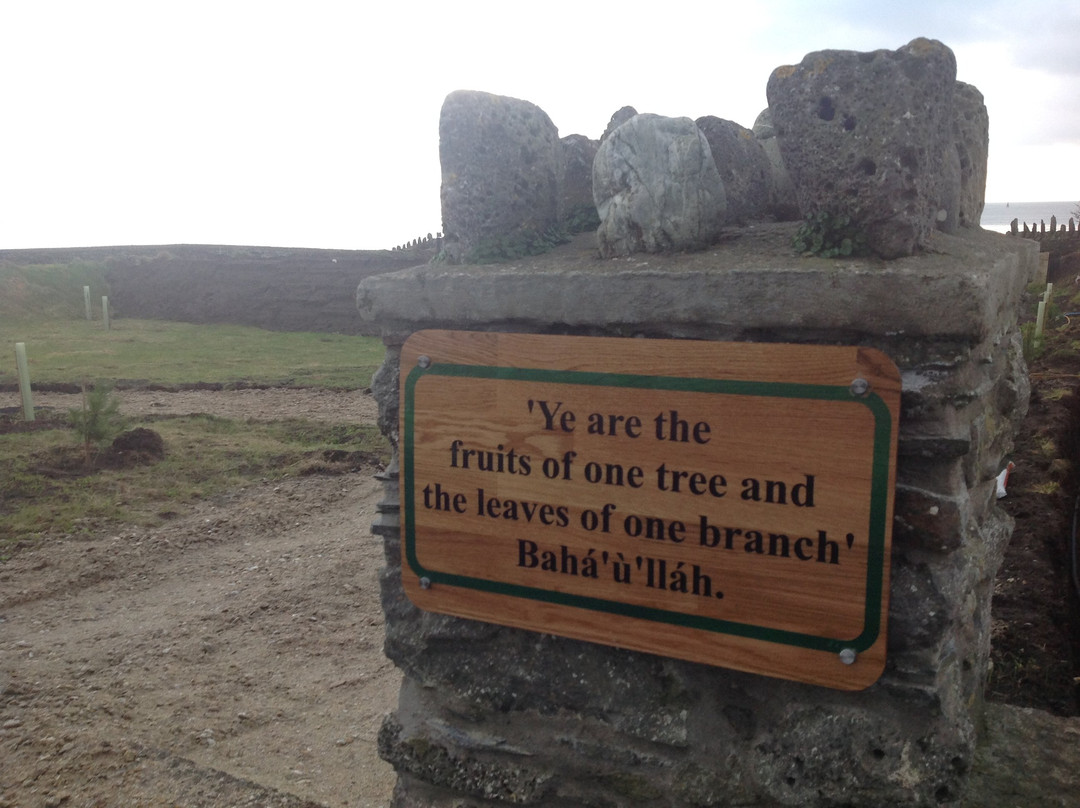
(1040, 231)
(1062, 243)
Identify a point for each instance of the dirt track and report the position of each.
(231, 657)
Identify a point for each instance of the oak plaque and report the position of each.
(725, 503)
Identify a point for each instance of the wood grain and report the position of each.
(726, 503)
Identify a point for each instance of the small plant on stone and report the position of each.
(519, 245)
(99, 420)
(830, 235)
(581, 219)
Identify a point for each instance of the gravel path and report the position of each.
(232, 656)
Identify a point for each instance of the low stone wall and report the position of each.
(1061, 246)
(491, 715)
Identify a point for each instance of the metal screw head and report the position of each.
(859, 387)
(425, 583)
(847, 656)
(423, 361)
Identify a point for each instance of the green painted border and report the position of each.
(879, 497)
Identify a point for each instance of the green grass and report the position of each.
(43, 306)
(45, 488)
(166, 353)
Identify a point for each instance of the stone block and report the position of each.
(929, 520)
(850, 757)
(744, 168)
(500, 175)
(865, 135)
(656, 188)
(754, 287)
(577, 211)
(785, 204)
(1028, 758)
(618, 118)
(971, 132)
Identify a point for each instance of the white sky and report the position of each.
(314, 123)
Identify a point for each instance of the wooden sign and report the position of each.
(725, 503)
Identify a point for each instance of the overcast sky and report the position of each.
(314, 123)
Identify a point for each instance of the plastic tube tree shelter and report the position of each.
(24, 380)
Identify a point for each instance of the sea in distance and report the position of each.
(998, 215)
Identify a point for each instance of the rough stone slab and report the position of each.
(577, 211)
(744, 167)
(971, 127)
(785, 203)
(500, 172)
(870, 135)
(752, 286)
(618, 118)
(1027, 759)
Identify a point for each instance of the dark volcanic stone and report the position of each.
(867, 135)
(744, 169)
(500, 174)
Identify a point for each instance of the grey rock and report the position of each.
(1026, 757)
(784, 205)
(718, 294)
(918, 614)
(500, 174)
(384, 387)
(846, 756)
(865, 134)
(548, 675)
(426, 756)
(577, 211)
(656, 188)
(763, 128)
(744, 168)
(971, 129)
(948, 214)
(618, 118)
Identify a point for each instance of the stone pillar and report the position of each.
(498, 716)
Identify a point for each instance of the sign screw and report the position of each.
(847, 656)
(423, 361)
(425, 583)
(859, 387)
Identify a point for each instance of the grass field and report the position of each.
(44, 307)
(142, 352)
(46, 488)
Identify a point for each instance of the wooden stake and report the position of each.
(24, 380)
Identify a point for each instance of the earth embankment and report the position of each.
(279, 289)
